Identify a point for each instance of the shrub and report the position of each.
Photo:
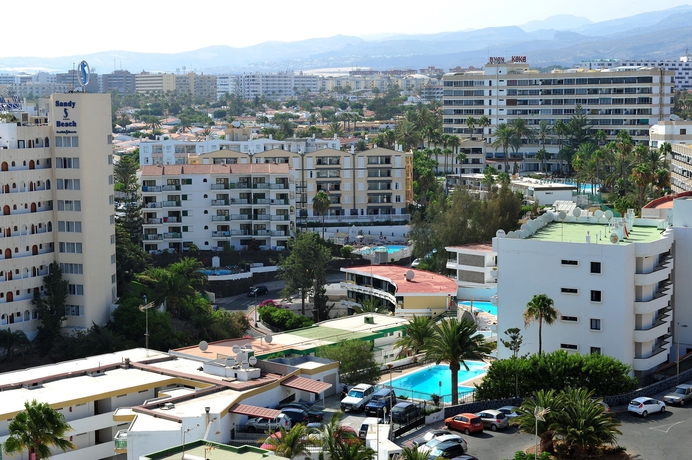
(282, 319)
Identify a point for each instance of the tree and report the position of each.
(125, 178)
(544, 131)
(306, 262)
(505, 138)
(371, 305)
(291, 443)
(50, 307)
(320, 205)
(191, 269)
(356, 361)
(36, 429)
(515, 340)
(416, 335)
(335, 129)
(471, 124)
(540, 309)
(12, 342)
(407, 135)
(130, 259)
(454, 342)
(334, 435)
(412, 453)
(168, 287)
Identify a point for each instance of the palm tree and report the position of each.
(12, 342)
(544, 132)
(547, 403)
(483, 122)
(454, 142)
(521, 130)
(192, 270)
(168, 287)
(504, 138)
(354, 451)
(334, 435)
(370, 305)
(36, 429)
(412, 453)
(541, 309)
(407, 135)
(335, 129)
(290, 443)
(560, 129)
(389, 137)
(471, 124)
(454, 342)
(416, 335)
(320, 205)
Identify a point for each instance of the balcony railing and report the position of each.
(153, 221)
(170, 204)
(220, 218)
(120, 441)
(153, 236)
(281, 217)
(170, 188)
(152, 205)
(172, 236)
(219, 202)
(261, 217)
(151, 188)
(220, 186)
(240, 217)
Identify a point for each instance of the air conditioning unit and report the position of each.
(369, 320)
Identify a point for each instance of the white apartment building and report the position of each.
(212, 205)
(226, 84)
(632, 99)
(611, 280)
(56, 168)
(678, 133)
(682, 67)
(280, 84)
(474, 268)
(149, 82)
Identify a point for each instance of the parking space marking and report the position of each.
(669, 427)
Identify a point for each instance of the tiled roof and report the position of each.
(253, 411)
(423, 282)
(305, 384)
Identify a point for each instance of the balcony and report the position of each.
(240, 185)
(220, 186)
(261, 217)
(658, 329)
(170, 188)
(280, 217)
(657, 357)
(153, 236)
(220, 218)
(172, 236)
(240, 217)
(151, 188)
(219, 202)
(660, 273)
(170, 204)
(152, 205)
(153, 221)
(120, 441)
(261, 201)
(659, 300)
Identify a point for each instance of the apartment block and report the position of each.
(213, 205)
(226, 84)
(280, 84)
(681, 67)
(121, 81)
(56, 168)
(615, 99)
(678, 133)
(149, 82)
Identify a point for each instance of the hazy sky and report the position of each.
(49, 28)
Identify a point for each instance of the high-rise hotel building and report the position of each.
(613, 99)
(56, 195)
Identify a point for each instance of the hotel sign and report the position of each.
(513, 60)
(66, 121)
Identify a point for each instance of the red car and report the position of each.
(468, 423)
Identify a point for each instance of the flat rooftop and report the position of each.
(423, 282)
(576, 233)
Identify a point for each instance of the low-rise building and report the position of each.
(474, 268)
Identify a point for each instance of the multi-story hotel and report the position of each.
(678, 133)
(681, 67)
(611, 280)
(56, 192)
(213, 205)
(630, 99)
(149, 82)
(372, 185)
(280, 84)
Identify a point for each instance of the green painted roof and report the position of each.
(333, 334)
(576, 233)
(213, 450)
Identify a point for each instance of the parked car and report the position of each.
(510, 412)
(383, 398)
(645, 406)
(606, 407)
(314, 414)
(681, 394)
(429, 436)
(296, 415)
(447, 449)
(264, 424)
(493, 419)
(359, 396)
(465, 457)
(257, 290)
(468, 423)
(446, 438)
(404, 412)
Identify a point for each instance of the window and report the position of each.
(113, 278)
(72, 269)
(112, 219)
(69, 227)
(68, 184)
(112, 258)
(595, 324)
(67, 163)
(572, 263)
(75, 289)
(69, 205)
(595, 350)
(569, 290)
(70, 248)
(595, 267)
(568, 346)
(595, 296)
(66, 141)
(74, 310)
(110, 159)
(187, 181)
(572, 319)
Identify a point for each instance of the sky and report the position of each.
(49, 28)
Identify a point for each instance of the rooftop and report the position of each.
(481, 247)
(576, 233)
(423, 282)
(202, 449)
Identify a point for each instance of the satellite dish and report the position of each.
(203, 345)
(576, 212)
(245, 365)
(609, 214)
(561, 215)
(268, 338)
(252, 360)
(409, 275)
(512, 234)
(598, 214)
(550, 216)
(235, 124)
(241, 357)
(236, 349)
(230, 361)
(523, 227)
(500, 233)
(614, 238)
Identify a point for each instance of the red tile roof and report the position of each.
(423, 282)
(305, 384)
(253, 411)
(250, 168)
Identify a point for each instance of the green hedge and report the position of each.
(282, 319)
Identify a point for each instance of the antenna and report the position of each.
(598, 214)
(561, 216)
(203, 345)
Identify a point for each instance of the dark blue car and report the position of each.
(384, 398)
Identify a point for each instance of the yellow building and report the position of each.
(149, 82)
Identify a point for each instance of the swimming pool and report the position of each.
(482, 306)
(391, 248)
(424, 382)
(218, 272)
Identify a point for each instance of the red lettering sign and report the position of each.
(518, 58)
(497, 60)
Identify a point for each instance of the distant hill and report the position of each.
(559, 40)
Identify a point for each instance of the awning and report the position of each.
(253, 411)
(304, 384)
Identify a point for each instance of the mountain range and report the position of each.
(558, 40)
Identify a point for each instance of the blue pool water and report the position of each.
(482, 306)
(390, 249)
(584, 188)
(217, 272)
(426, 381)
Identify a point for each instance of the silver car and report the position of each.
(493, 419)
(681, 394)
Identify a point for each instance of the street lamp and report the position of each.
(677, 337)
(145, 308)
(539, 413)
(256, 307)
